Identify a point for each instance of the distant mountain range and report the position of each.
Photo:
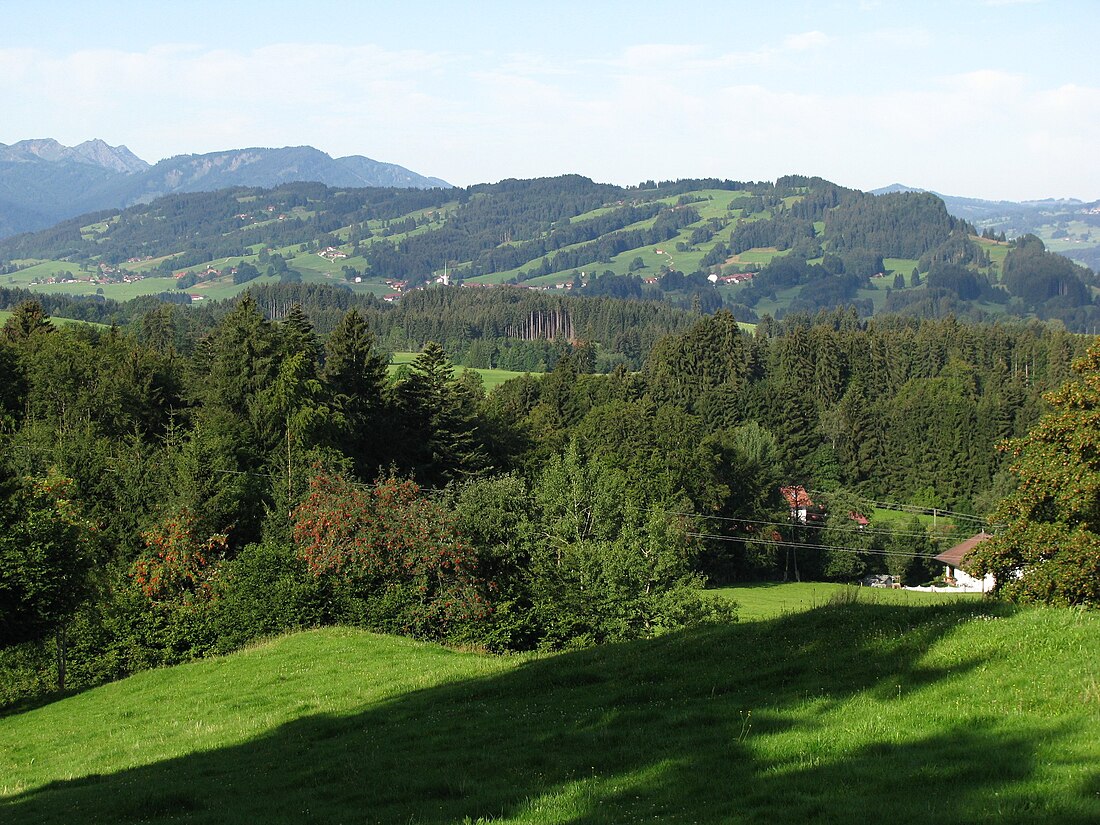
(43, 182)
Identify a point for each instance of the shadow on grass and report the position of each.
(34, 702)
(715, 725)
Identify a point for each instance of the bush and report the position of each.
(265, 591)
(393, 555)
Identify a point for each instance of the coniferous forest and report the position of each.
(187, 479)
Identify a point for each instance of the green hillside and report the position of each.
(800, 244)
(946, 714)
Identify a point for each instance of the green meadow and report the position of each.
(769, 600)
(82, 285)
(842, 711)
(5, 314)
(491, 378)
(313, 268)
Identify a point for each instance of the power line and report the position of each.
(801, 545)
(910, 508)
(855, 530)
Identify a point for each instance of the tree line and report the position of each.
(173, 488)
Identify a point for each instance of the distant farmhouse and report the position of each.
(956, 567)
(802, 507)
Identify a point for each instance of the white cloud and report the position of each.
(988, 83)
(657, 57)
(806, 40)
(648, 110)
(198, 98)
(1071, 98)
(535, 64)
(902, 38)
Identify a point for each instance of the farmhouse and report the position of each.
(955, 565)
(802, 506)
(735, 278)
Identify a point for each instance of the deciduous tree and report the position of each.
(1050, 551)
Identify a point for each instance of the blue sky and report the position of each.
(987, 98)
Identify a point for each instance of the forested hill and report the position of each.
(800, 244)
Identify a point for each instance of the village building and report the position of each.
(956, 569)
(801, 505)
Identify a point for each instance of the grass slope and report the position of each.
(948, 714)
(5, 314)
(768, 600)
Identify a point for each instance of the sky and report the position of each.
(996, 99)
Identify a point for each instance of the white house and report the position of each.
(955, 565)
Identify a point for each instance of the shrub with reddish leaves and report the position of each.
(395, 549)
(178, 565)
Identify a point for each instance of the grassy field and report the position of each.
(314, 269)
(5, 314)
(117, 291)
(903, 265)
(491, 378)
(769, 600)
(851, 712)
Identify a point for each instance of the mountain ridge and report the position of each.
(43, 182)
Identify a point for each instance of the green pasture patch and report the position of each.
(322, 269)
(654, 257)
(767, 306)
(491, 378)
(65, 322)
(153, 716)
(502, 277)
(996, 251)
(5, 314)
(876, 292)
(117, 291)
(93, 229)
(222, 288)
(375, 288)
(154, 263)
(599, 211)
(40, 270)
(961, 712)
(768, 600)
(757, 255)
(904, 266)
(714, 204)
